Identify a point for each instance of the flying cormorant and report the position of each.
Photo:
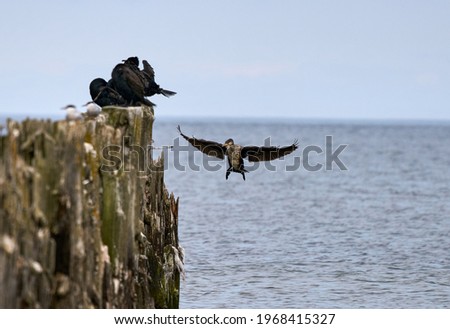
(236, 153)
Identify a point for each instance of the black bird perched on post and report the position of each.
(103, 94)
(236, 153)
(128, 81)
(148, 77)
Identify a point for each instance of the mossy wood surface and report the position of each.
(78, 227)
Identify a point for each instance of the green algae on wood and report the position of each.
(75, 236)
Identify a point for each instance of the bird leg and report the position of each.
(228, 172)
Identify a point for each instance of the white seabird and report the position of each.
(92, 109)
(72, 113)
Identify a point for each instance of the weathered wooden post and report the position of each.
(85, 219)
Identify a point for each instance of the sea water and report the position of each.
(374, 234)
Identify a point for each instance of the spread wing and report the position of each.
(208, 147)
(267, 153)
(148, 70)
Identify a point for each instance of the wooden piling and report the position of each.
(85, 218)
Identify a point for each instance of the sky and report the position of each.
(320, 59)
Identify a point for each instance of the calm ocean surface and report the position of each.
(374, 236)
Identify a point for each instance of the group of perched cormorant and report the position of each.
(128, 86)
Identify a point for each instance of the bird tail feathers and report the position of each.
(167, 93)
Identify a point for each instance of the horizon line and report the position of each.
(47, 115)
